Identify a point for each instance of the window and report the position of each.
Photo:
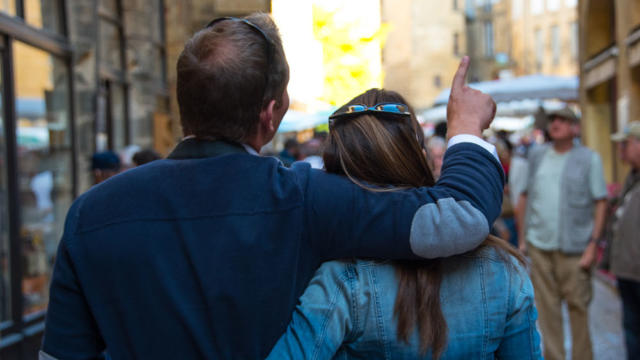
(44, 14)
(488, 39)
(5, 275)
(41, 14)
(571, 3)
(44, 165)
(537, 6)
(555, 45)
(112, 120)
(553, 5)
(456, 44)
(516, 9)
(8, 7)
(574, 40)
(539, 49)
(158, 37)
(37, 170)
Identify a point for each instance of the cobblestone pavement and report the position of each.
(605, 315)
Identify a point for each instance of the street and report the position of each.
(605, 323)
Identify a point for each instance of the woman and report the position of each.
(478, 305)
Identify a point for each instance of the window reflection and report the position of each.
(44, 14)
(44, 165)
(8, 7)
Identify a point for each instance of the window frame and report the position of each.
(13, 28)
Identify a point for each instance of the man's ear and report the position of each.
(266, 117)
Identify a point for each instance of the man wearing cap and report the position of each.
(104, 165)
(565, 208)
(624, 253)
(203, 255)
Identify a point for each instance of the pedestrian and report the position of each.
(145, 156)
(565, 204)
(393, 310)
(625, 246)
(204, 254)
(436, 147)
(104, 165)
(290, 153)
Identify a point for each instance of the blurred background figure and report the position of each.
(436, 147)
(145, 156)
(625, 245)
(312, 153)
(290, 153)
(104, 165)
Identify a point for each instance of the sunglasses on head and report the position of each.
(258, 30)
(357, 110)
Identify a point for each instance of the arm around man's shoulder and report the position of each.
(452, 217)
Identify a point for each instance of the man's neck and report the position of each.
(562, 146)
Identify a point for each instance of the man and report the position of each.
(290, 153)
(204, 254)
(566, 185)
(625, 247)
(104, 165)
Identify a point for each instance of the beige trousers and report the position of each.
(557, 277)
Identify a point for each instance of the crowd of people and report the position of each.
(369, 243)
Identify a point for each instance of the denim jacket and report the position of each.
(347, 312)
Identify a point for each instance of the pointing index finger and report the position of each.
(461, 74)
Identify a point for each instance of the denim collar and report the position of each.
(192, 148)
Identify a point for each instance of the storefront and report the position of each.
(74, 79)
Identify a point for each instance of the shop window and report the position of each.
(44, 158)
(8, 7)
(5, 275)
(44, 14)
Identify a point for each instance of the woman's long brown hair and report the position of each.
(376, 151)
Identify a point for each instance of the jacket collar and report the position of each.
(192, 148)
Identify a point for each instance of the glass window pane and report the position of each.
(44, 14)
(44, 165)
(110, 45)
(5, 279)
(8, 6)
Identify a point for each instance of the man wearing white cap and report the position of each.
(625, 245)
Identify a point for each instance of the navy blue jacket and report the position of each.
(204, 254)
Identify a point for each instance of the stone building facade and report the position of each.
(522, 37)
(609, 75)
(424, 46)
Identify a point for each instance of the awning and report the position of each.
(535, 87)
(297, 121)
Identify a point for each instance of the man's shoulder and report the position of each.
(189, 189)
